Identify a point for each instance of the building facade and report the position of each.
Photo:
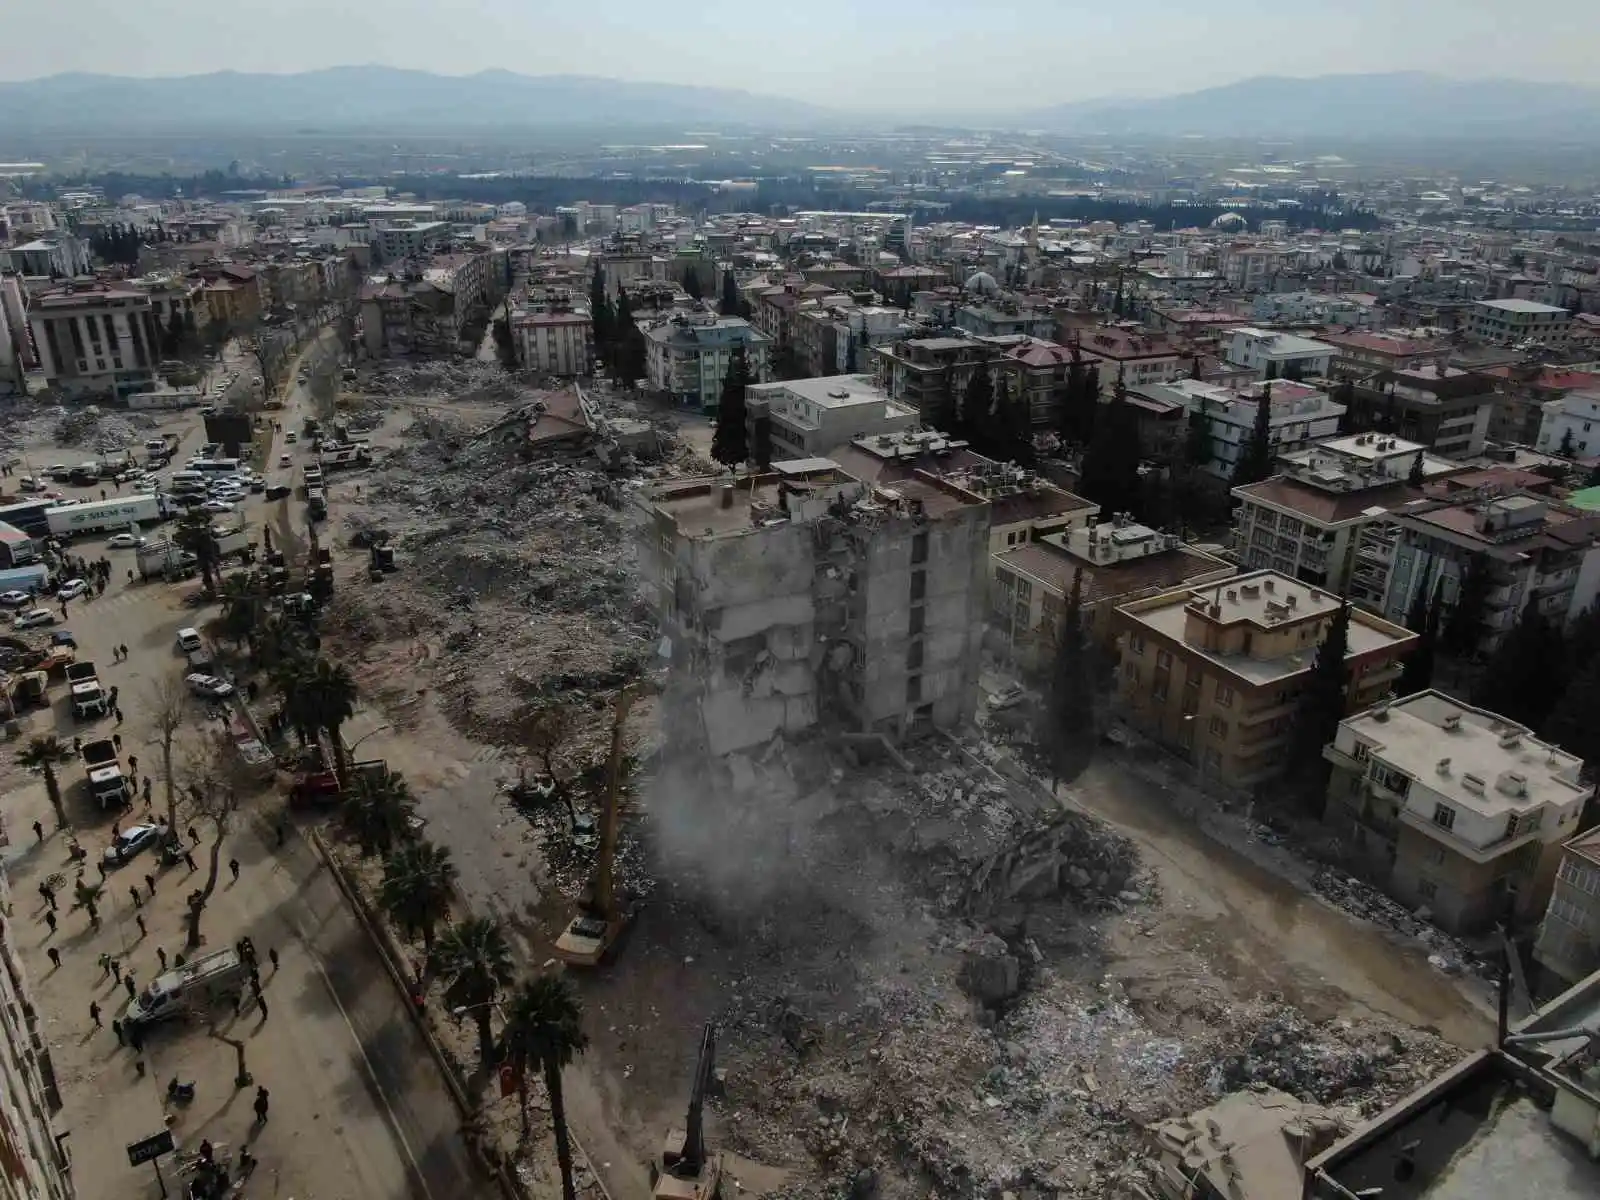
(1273, 355)
(1568, 947)
(810, 417)
(1452, 808)
(1571, 425)
(555, 342)
(1508, 322)
(687, 357)
(96, 340)
(1215, 673)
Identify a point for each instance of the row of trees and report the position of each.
(619, 343)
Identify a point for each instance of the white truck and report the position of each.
(107, 783)
(88, 697)
(164, 559)
(96, 516)
(193, 987)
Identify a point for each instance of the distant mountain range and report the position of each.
(390, 100)
(1397, 106)
(380, 99)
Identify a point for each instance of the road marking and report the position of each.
(372, 1074)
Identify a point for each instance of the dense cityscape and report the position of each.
(750, 650)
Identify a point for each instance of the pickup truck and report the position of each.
(107, 783)
(88, 697)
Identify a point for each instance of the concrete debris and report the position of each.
(1445, 953)
(89, 428)
(1070, 857)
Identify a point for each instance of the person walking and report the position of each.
(111, 695)
(94, 1015)
(161, 956)
(260, 1105)
(193, 836)
(147, 791)
(150, 882)
(272, 957)
(124, 653)
(116, 969)
(233, 868)
(38, 830)
(138, 919)
(116, 1028)
(104, 962)
(133, 892)
(54, 955)
(188, 857)
(50, 920)
(116, 740)
(117, 713)
(133, 763)
(127, 983)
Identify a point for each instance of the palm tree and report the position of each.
(418, 879)
(322, 698)
(45, 752)
(544, 1030)
(241, 607)
(194, 534)
(474, 961)
(378, 812)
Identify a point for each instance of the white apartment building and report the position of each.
(1569, 937)
(1508, 322)
(687, 357)
(97, 339)
(1249, 268)
(1308, 521)
(402, 239)
(1570, 424)
(58, 255)
(1299, 414)
(556, 342)
(810, 417)
(1453, 809)
(1273, 355)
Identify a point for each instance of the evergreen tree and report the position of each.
(1255, 460)
(600, 314)
(1415, 479)
(1526, 672)
(1066, 726)
(1109, 474)
(730, 295)
(691, 284)
(940, 412)
(761, 442)
(1417, 674)
(729, 442)
(1089, 402)
(1464, 625)
(1194, 367)
(850, 366)
(628, 348)
(977, 410)
(1592, 479)
(1321, 708)
(1566, 447)
(1572, 724)
(172, 335)
(1012, 437)
(1197, 446)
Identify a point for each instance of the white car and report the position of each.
(123, 541)
(71, 589)
(36, 616)
(218, 506)
(209, 686)
(129, 476)
(189, 639)
(15, 599)
(285, 460)
(291, 437)
(130, 841)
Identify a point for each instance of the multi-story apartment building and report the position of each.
(810, 417)
(932, 374)
(1509, 322)
(1312, 308)
(1446, 409)
(1571, 425)
(1568, 948)
(1308, 520)
(805, 597)
(1521, 394)
(1524, 548)
(1359, 354)
(1298, 414)
(1215, 673)
(1273, 355)
(1130, 357)
(1038, 372)
(687, 357)
(175, 292)
(1112, 563)
(1003, 320)
(35, 1164)
(1249, 268)
(407, 238)
(556, 341)
(96, 339)
(836, 337)
(57, 255)
(1453, 809)
(232, 294)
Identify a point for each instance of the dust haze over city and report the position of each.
(952, 601)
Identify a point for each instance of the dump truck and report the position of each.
(107, 783)
(88, 697)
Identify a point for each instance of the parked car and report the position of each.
(291, 437)
(63, 637)
(285, 460)
(71, 589)
(278, 491)
(33, 617)
(212, 687)
(29, 484)
(189, 639)
(130, 842)
(15, 599)
(123, 541)
(217, 506)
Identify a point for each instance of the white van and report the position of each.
(195, 985)
(189, 640)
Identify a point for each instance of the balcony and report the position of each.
(1255, 716)
(1488, 852)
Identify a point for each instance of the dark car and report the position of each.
(63, 637)
(278, 491)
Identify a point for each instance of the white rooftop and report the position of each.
(1522, 306)
(829, 391)
(1277, 342)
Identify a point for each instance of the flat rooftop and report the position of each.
(698, 507)
(828, 391)
(1523, 306)
(1411, 735)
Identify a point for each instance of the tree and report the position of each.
(216, 774)
(1423, 620)
(321, 697)
(1464, 626)
(691, 284)
(1109, 474)
(761, 442)
(44, 752)
(1416, 477)
(1525, 675)
(1321, 708)
(600, 313)
(977, 410)
(546, 730)
(628, 349)
(1255, 460)
(1067, 731)
(194, 534)
(242, 605)
(170, 706)
(730, 295)
(377, 810)
(418, 881)
(1571, 724)
(729, 442)
(1567, 446)
(474, 961)
(1197, 443)
(544, 1031)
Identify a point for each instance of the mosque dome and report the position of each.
(982, 284)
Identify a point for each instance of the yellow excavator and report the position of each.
(687, 1171)
(592, 934)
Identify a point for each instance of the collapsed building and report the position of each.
(806, 597)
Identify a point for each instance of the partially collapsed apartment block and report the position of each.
(805, 597)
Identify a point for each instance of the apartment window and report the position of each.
(919, 548)
(1585, 879)
(1427, 889)
(1131, 674)
(919, 585)
(1219, 727)
(1518, 824)
(914, 689)
(1158, 686)
(1444, 816)
(1362, 753)
(1164, 659)
(111, 328)
(1436, 855)
(1224, 695)
(918, 616)
(914, 656)
(1135, 644)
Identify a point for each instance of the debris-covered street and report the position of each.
(929, 977)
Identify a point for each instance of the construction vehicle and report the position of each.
(103, 767)
(592, 934)
(89, 699)
(687, 1171)
(316, 783)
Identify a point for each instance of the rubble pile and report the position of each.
(1360, 899)
(459, 380)
(1069, 857)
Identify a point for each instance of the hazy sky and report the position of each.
(906, 54)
